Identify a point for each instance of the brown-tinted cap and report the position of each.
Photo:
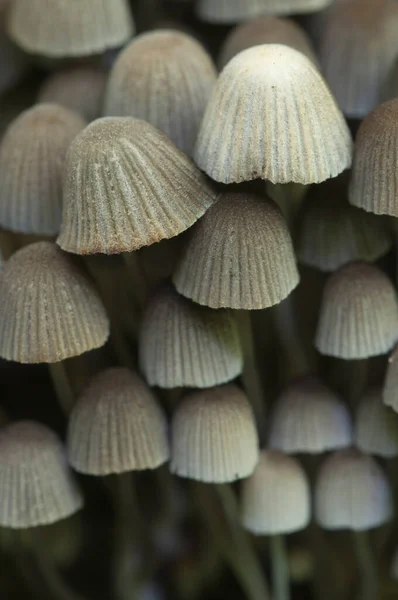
(32, 159)
(117, 426)
(183, 344)
(376, 426)
(36, 485)
(390, 390)
(127, 186)
(276, 498)
(240, 255)
(308, 417)
(232, 11)
(214, 436)
(357, 50)
(48, 309)
(78, 88)
(266, 30)
(359, 313)
(272, 116)
(352, 492)
(166, 78)
(58, 29)
(374, 178)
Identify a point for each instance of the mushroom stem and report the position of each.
(288, 197)
(366, 564)
(62, 386)
(280, 568)
(136, 279)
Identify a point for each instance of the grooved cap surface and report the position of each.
(32, 160)
(36, 485)
(308, 417)
(62, 28)
(240, 256)
(359, 313)
(214, 436)
(272, 116)
(232, 11)
(127, 186)
(117, 426)
(183, 344)
(276, 498)
(48, 310)
(390, 390)
(164, 77)
(376, 426)
(374, 181)
(352, 492)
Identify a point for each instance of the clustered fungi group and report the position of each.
(201, 235)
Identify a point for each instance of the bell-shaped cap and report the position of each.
(376, 426)
(390, 389)
(240, 255)
(272, 116)
(214, 436)
(233, 11)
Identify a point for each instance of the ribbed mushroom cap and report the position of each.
(32, 159)
(214, 436)
(240, 256)
(166, 78)
(352, 492)
(390, 390)
(272, 116)
(357, 51)
(359, 313)
(183, 344)
(276, 498)
(56, 28)
(78, 88)
(374, 179)
(308, 417)
(117, 426)
(266, 30)
(48, 310)
(127, 186)
(376, 426)
(332, 233)
(36, 485)
(232, 11)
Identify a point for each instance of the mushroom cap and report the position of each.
(374, 175)
(32, 159)
(58, 29)
(352, 492)
(214, 436)
(376, 426)
(127, 186)
(272, 116)
(117, 426)
(308, 417)
(359, 313)
(232, 11)
(390, 390)
(240, 255)
(183, 344)
(48, 310)
(276, 498)
(164, 77)
(36, 485)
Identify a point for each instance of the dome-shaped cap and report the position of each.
(183, 344)
(48, 310)
(308, 417)
(390, 390)
(272, 116)
(374, 178)
(332, 233)
(232, 11)
(352, 492)
(127, 186)
(117, 426)
(357, 51)
(36, 485)
(359, 313)
(32, 159)
(166, 78)
(214, 436)
(78, 88)
(376, 426)
(266, 30)
(58, 29)
(240, 255)
(276, 498)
